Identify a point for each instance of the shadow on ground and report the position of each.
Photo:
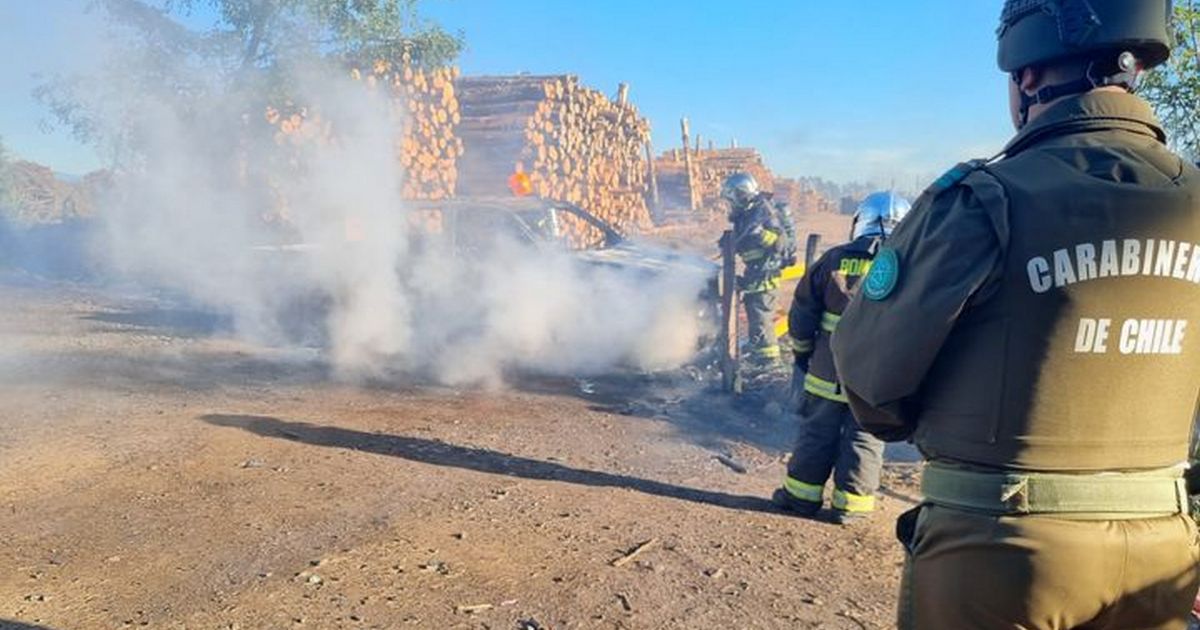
(438, 453)
(697, 408)
(170, 321)
(690, 402)
(17, 625)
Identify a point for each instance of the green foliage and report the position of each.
(249, 50)
(1174, 89)
(352, 30)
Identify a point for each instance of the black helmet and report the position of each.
(1037, 32)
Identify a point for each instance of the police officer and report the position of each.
(1034, 327)
(761, 239)
(829, 439)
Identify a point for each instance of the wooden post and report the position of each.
(687, 164)
(810, 250)
(730, 379)
(654, 205)
(622, 101)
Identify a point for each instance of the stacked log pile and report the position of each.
(791, 192)
(429, 148)
(812, 200)
(673, 186)
(425, 110)
(573, 143)
(716, 165)
(710, 168)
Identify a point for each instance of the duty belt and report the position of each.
(1153, 492)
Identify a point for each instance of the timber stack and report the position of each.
(428, 147)
(716, 165)
(469, 136)
(791, 192)
(709, 169)
(674, 185)
(425, 107)
(570, 142)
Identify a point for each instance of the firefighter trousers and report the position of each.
(830, 440)
(974, 571)
(760, 307)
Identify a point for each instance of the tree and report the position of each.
(249, 50)
(1174, 89)
(355, 30)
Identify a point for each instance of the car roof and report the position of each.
(513, 204)
(516, 205)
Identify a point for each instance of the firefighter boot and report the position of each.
(789, 503)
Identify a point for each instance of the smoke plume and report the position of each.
(310, 242)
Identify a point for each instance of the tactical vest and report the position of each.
(1084, 353)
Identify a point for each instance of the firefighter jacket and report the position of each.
(1042, 312)
(759, 238)
(821, 297)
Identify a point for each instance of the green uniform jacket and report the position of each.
(1041, 312)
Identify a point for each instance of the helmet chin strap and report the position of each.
(1130, 70)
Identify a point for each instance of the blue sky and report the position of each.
(885, 90)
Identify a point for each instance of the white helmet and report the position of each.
(879, 214)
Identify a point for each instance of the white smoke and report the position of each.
(194, 214)
(551, 314)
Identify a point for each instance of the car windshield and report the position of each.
(483, 230)
(572, 226)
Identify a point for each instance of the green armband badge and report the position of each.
(885, 273)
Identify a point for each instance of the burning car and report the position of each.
(471, 226)
(457, 248)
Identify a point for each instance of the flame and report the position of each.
(520, 184)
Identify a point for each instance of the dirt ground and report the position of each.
(156, 473)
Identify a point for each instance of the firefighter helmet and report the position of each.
(1037, 32)
(879, 214)
(739, 189)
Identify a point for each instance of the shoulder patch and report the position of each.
(950, 179)
(884, 275)
(954, 176)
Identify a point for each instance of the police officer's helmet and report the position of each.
(879, 214)
(1037, 32)
(739, 189)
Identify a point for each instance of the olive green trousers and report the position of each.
(969, 571)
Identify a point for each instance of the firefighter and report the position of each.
(829, 439)
(761, 238)
(1034, 327)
